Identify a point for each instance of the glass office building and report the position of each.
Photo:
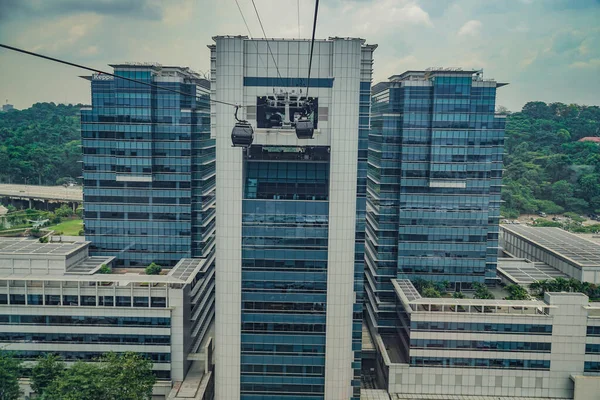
(289, 245)
(148, 166)
(433, 189)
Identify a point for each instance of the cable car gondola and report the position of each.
(304, 128)
(242, 134)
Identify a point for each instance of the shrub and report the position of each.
(153, 269)
(430, 292)
(104, 269)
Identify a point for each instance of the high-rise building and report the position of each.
(289, 283)
(435, 171)
(149, 166)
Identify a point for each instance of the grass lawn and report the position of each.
(69, 228)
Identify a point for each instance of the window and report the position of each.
(18, 299)
(123, 301)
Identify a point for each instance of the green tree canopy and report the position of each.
(82, 381)
(546, 167)
(10, 370)
(47, 369)
(126, 376)
(40, 144)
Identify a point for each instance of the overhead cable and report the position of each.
(266, 40)
(312, 45)
(31, 53)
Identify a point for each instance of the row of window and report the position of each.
(283, 307)
(74, 300)
(283, 328)
(479, 363)
(258, 389)
(481, 327)
(84, 355)
(83, 338)
(140, 119)
(289, 264)
(88, 183)
(482, 345)
(83, 320)
(299, 370)
(138, 216)
(289, 349)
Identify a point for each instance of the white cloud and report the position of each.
(89, 51)
(593, 63)
(470, 28)
(372, 18)
(63, 34)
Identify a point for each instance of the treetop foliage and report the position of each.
(546, 168)
(40, 144)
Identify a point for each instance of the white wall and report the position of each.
(229, 88)
(343, 116)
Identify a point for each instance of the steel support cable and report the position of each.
(113, 75)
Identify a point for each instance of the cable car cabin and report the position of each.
(304, 128)
(242, 134)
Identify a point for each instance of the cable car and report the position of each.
(242, 134)
(304, 128)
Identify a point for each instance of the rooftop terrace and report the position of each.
(414, 302)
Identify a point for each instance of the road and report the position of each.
(73, 193)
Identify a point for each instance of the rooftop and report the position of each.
(590, 139)
(187, 268)
(525, 272)
(10, 246)
(580, 251)
(84, 268)
(405, 291)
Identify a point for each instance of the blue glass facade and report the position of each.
(434, 178)
(285, 213)
(148, 166)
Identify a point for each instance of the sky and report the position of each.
(546, 50)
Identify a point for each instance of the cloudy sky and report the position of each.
(546, 49)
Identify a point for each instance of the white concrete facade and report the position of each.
(53, 300)
(568, 314)
(340, 59)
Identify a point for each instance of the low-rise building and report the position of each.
(54, 299)
(546, 348)
(566, 252)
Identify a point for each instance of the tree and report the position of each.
(10, 370)
(549, 207)
(47, 369)
(430, 292)
(458, 295)
(128, 376)
(537, 109)
(516, 292)
(153, 269)
(64, 211)
(561, 191)
(482, 291)
(563, 135)
(82, 381)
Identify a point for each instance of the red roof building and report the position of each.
(590, 139)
